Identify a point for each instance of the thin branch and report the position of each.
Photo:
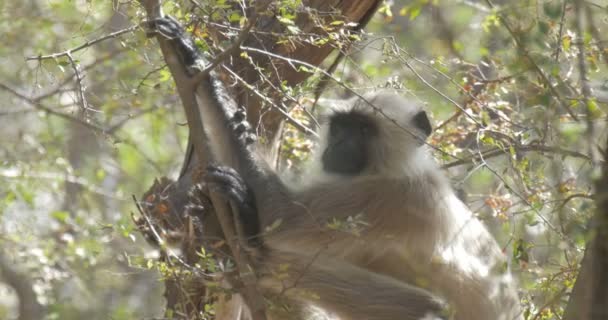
(235, 46)
(21, 174)
(574, 196)
(291, 120)
(89, 125)
(521, 148)
(558, 47)
(469, 93)
(87, 44)
(38, 105)
(554, 300)
(130, 117)
(293, 62)
(67, 79)
(448, 120)
(521, 196)
(148, 75)
(80, 88)
(524, 52)
(396, 50)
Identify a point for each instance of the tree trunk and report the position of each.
(589, 297)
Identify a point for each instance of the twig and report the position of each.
(450, 119)
(293, 62)
(89, 125)
(426, 83)
(82, 46)
(558, 47)
(524, 52)
(287, 116)
(522, 148)
(130, 117)
(574, 196)
(22, 174)
(469, 93)
(521, 196)
(38, 105)
(67, 79)
(80, 86)
(148, 75)
(234, 47)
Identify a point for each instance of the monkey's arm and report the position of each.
(223, 121)
(385, 208)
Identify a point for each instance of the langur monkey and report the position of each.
(415, 251)
(372, 165)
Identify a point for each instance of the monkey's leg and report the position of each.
(350, 292)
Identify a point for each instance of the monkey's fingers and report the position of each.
(197, 201)
(166, 26)
(171, 29)
(229, 183)
(242, 128)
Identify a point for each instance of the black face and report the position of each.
(421, 121)
(348, 143)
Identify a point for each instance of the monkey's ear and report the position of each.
(422, 122)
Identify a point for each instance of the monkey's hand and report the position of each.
(170, 29)
(198, 201)
(227, 182)
(242, 128)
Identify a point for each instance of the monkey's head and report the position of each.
(381, 134)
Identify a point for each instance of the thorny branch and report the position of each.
(87, 44)
(107, 132)
(78, 72)
(40, 106)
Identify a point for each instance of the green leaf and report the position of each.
(60, 216)
(415, 12)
